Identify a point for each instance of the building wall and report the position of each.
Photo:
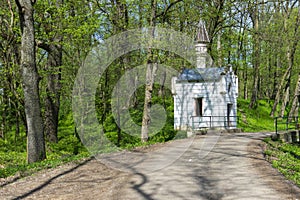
(216, 96)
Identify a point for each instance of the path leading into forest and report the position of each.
(233, 169)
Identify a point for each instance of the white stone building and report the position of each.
(205, 97)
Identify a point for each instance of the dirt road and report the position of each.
(233, 169)
(183, 169)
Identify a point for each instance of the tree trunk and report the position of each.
(120, 23)
(256, 58)
(290, 58)
(53, 91)
(278, 94)
(245, 74)
(296, 100)
(53, 88)
(275, 79)
(161, 91)
(35, 136)
(150, 75)
(285, 101)
(3, 115)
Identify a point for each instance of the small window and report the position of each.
(199, 106)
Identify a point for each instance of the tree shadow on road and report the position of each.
(46, 183)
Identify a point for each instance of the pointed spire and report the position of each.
(202, 41)
(202, 35)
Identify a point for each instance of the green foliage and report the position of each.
(129, 141)
(284, 157)
(14, 162)
(257, 119)
(13, 151)
(11, 162)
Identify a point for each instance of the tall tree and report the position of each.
(150, 76)
(12, 109)
(283, 92)
(51, 42)
(35, 135)
(256, 51)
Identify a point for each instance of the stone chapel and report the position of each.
(205, 97)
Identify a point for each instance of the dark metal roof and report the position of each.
(201, 74)
(202, 35)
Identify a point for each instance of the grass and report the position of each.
(285, 158)
(257, 119)
(17, 163)
(13, 152)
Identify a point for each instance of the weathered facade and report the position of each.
(205, 97)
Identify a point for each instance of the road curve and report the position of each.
(233, 169)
